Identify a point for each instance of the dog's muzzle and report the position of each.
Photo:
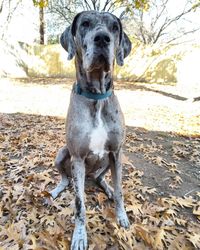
(100, 57)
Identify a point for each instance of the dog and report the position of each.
(95, 128)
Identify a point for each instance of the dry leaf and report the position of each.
(101, 197)
(196, 210)
(185, 202)
(158, 160)
(28, 148)
(126, 161)
(144, 234)
(109, 213)
(194, 238)
(159, 239)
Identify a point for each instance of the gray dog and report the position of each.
(95, 125)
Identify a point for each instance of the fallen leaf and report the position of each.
(159, 239)
(126, 161)
(144, 234)
(194, 238)
(196, 210)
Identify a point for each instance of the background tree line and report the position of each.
(147, 21)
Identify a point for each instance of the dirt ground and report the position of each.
(161, 165)
(154, 113)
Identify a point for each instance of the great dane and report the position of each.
(95, 127)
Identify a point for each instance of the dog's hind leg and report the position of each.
(62, 163)
(102, 183)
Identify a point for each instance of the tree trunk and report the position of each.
(41, 15)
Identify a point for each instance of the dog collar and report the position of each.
(89, 95)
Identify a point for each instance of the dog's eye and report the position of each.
(86, 24)
(115, 27)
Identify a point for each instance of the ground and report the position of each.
(161, 173)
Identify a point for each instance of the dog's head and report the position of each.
(97, 38)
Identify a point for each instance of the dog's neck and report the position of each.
(96, 81)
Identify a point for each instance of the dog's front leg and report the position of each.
(116, 170)
(79, 239)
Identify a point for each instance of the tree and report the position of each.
(61, 13)
(158, 25)
(7, 11)
(73, 6)
(41, 4)
(149, 21)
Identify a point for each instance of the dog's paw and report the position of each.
(54, 193)
(59, 188)
(122, 219)
(109, 192)
(79, 239)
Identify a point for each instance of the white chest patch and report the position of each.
(98, 137)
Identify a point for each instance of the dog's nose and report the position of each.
(102, 39)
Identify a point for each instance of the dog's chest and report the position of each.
(98, 136)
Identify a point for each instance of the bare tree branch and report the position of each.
(160, 13)
(162, 28)
(94, 4)
(178, 17)
(105, 5)
(88, 7)
(112, 6)
(1, 6)
(11, 6)
(184, 34)
(151, 26)
(57, 11)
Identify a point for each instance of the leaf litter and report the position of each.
(158, 220)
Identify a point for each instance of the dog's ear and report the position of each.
(67, 42)
(67, 38)
(124, 47)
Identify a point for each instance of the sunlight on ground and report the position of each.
(49, 100)
(188, 76)
(141, 108)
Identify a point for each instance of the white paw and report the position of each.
(79, 239)
(59, 188)
(109, 192)
(122, 219)
(54, 193)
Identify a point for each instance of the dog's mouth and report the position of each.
(99, 62)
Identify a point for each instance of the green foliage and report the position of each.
(53, 39)
(40, 3)
(141, 4)
(196, 5)
(130, 5)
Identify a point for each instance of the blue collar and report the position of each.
(89, 95)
